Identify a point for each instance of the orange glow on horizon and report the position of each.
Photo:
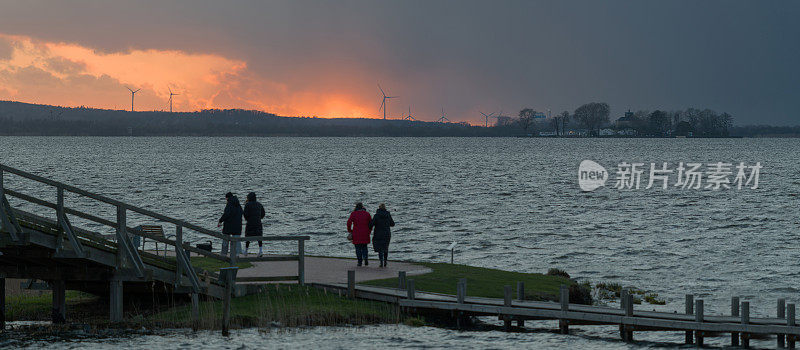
(72, 75)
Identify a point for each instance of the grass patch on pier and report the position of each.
(481, 282)
(283, 305)
(212, 264)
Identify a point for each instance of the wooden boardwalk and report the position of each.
(694, 322)
(48, 247)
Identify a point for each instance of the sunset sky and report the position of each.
(326, 58)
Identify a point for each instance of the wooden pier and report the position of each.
(48, 247)
(694, 322)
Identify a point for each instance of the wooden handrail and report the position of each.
(113, 202)
(122, 207)
(269, 238)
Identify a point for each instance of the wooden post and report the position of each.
(122, 223)
(401, 280)
(59, 310)
(781, 314)
(410, 284)
(563, 323)
(178, 250)
(59, 215)
(735, 313)
(461, 291)
(351, 284)
(195, 312)
(234, 244)
(520, 297)
(628, 333)
(2, 298)
(507, 303)
(301, 262)
(623, 298)
(226, 301)
(745, 320)
(115, 300)
(698, 317)
(463, 283)
(790, 321)
(689, 310)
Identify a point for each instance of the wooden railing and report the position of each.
(129, 256)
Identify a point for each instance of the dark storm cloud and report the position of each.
(735, 56)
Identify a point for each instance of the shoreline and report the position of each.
(294, 306)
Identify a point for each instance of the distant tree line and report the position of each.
(593, 119)
(590, 119)
(28, 119)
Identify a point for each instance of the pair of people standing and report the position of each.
(231, 222)
(359, 226)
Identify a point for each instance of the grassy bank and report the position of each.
(290, 305)
(481, 282)
(37, 305)
(285, 306)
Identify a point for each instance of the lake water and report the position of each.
(510, 203)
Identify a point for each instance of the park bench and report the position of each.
(153, 230)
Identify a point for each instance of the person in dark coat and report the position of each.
(231, 221)
(359, 224)
(382, 234)
(253, 213)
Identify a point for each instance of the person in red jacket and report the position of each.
(360, 225)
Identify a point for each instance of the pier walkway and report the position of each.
(693, 321)
(45, 246)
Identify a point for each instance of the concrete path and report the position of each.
(332, 270)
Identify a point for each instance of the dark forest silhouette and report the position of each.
(17, 118)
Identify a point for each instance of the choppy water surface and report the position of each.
(510, 203)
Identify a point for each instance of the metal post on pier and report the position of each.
(689, 311)
(735, 313)
(410, 284)
(452, 249)
(745, 320)
(698, 317)
(781, 313)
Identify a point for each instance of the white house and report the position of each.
(607, 132)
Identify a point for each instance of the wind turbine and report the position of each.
(486, 118)
(170, 98)
(383, 103)
(442, 118)
(409, 117)
(132, 94)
